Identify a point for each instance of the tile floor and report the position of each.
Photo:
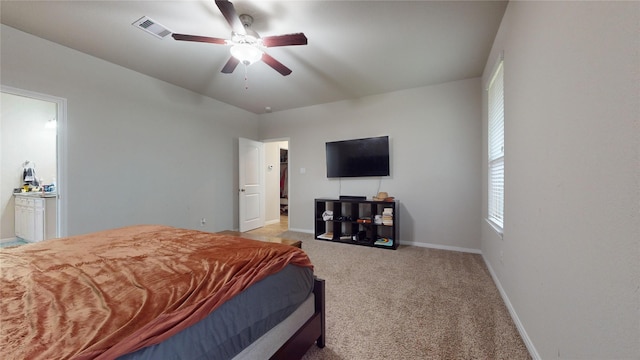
(12, 243)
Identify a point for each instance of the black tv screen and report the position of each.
(358, 157)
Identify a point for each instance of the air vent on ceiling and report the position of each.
(152, 27)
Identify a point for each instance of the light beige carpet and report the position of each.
(410, 303)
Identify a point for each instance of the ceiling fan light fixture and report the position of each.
(247, 54)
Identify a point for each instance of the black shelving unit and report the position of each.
(352, 221)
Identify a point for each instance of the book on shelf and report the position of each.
(384, 242)
(327, 236)
(387, 217)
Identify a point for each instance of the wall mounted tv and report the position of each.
(358, 157)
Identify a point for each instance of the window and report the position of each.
(496, 148)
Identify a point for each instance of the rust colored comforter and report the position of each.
(108, 293)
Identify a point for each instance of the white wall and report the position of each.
(435, 135)
(570, 268)
(139, 150)
(24, 137)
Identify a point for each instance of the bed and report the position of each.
(149, 292)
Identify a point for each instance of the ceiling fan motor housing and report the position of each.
(247, 21)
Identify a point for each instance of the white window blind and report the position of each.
(496, 148)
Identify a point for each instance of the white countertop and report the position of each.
(37, 194)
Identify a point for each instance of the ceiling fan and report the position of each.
(246, 44)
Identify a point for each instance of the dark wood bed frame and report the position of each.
(312, 331)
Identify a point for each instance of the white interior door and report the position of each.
(251, 187)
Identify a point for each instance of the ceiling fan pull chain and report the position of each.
(246, 78)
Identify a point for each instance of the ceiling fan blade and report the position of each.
(229, 12)
(285, 40)
(206, 39)
(275, 64)
(230, 65)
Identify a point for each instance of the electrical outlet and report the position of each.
(501, 256)
(203, 221)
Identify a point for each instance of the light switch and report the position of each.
(303, 170)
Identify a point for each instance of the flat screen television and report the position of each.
(358, 157)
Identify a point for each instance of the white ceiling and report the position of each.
(355, 49)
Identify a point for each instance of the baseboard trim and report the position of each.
(415, 243)
(441, 247)
(514, 316)
(271, 222)
(8, 240)
(306, 231)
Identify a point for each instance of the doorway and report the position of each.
(284, 185)
(268, 162)
(32, 129)
(277, 199)
(277, 184)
